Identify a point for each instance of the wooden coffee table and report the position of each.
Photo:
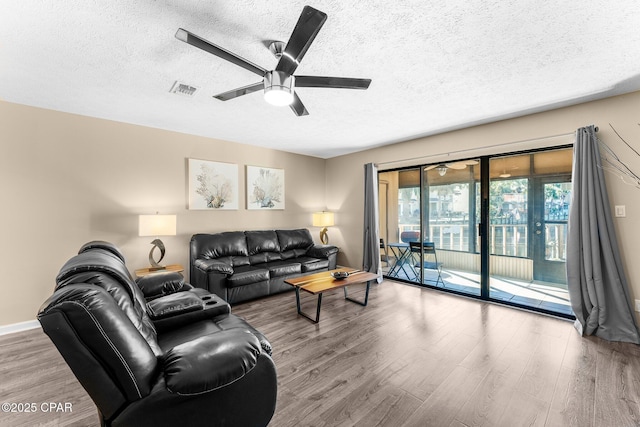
(318, 283)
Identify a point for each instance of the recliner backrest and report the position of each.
(98, 268)
(106, 246)
(103, 348)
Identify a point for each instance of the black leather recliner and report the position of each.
(177, 359)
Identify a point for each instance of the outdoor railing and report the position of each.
(505, 239)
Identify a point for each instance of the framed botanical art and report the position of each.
(213, 185)
(265, 188)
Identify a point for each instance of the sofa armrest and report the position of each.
(322, 251)
(160, 284)
(210, 362)
(213, 266)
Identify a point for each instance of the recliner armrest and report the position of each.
(181, 308)
(160, 284)
(213, 265)
(322, 251)
(174, 305)
(210, 362)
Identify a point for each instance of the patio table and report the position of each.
(402, 256)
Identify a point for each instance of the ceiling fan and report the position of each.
(279, 84)
(443, 167)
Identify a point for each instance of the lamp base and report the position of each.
(155, 265)
(324, 237)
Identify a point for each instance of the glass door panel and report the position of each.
(550, 230)
(399, 220)
(528, 210)
(449, 257)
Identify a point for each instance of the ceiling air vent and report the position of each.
(183, 89)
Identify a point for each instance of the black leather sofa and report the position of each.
(243, 265)
(176, 357)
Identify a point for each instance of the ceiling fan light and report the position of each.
(278, 96)
(278, 88)
(442, 170)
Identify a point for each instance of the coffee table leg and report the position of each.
(319, 303)
(366, 296)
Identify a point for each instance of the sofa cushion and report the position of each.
(263, 246)
(294, 239)
(262, 241)
(239, 261)
(312, 264)
(283, 268)
(247, 275)
(230, 243)
(294, 253)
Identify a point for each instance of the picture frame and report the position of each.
(212, 185)
(265, 188)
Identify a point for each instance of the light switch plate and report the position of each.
(621, 211)
(638, 305)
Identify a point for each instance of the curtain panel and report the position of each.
(598, 287)
(371, 244)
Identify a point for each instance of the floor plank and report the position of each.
(412, 357)
(617, 388)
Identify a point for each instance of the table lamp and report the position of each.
(156, 225)
(323, 219)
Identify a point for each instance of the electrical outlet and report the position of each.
(621, 211)
(638, 305)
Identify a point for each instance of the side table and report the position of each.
(177, 268)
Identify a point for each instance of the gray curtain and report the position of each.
(598, 288)
(371, 248)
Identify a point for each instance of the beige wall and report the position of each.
(623, 112)
(67, 179)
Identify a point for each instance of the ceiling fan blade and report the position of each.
(240, 91)
(428, 168)
(332, 82)
(305, 31)
(457, 165)
(207, 46)
(298, 107)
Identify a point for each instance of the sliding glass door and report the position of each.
(497, 233)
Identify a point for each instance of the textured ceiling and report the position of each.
(435, 66)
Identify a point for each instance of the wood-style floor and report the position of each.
(412, 357)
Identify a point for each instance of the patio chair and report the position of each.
(424, 257)
(384, 256)
(410, 236)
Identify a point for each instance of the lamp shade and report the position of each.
(323, 219)
(157, 225)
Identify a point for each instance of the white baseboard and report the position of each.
(19, 327)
